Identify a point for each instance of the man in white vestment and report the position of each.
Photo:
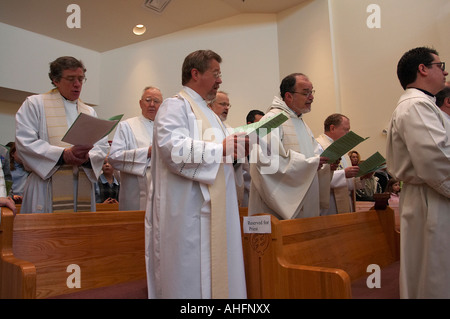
(418, 153)
(294, 182)
(443, 100)
(342, 184)
(131, 152)
(193, 239)
(221, 105)
(62, 175)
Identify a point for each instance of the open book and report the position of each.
(263, 127)
(372, 164)
(342, 146)
(88, 130)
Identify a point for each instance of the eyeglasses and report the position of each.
(440, 65)
(308, 93)
(217, 74)
(72, 79)
(149, 100)
(225, 104)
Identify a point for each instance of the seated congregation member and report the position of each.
(18, 172)
(58, 168)
(107, 188)
(418, 154)
(365, 186)
(294, 182)
(6, 171)
(342, 183)
(131, 151)
(193, 238)
(393, 188)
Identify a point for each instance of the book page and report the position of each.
(342, 146)
(372, 164)
(88, 130)
(263, 127)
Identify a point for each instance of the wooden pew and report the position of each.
(100, 207)
(320, 257)
(36, 250)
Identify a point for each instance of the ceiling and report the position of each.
(108, 24)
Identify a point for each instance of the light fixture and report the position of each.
(139, 29)
(156, 5)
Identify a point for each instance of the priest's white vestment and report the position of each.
(178, 215)
(128, 155)
(285, 181)
(418, 153)
(41, 158)
(341, 199)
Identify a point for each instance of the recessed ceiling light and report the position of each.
(139, 29)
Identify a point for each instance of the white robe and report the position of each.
(178, 212)
(128, 155)
(292, 187)
(418, 153)
(338, 180)
(41, 158)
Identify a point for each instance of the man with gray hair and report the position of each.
(131, 151)
(221, 105)
(58, 169)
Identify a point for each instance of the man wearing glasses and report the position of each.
(58, 169)
(131, 151)
(221, 105)
(418, 153)
(193, 239)
(300, 186)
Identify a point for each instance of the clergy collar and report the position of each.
(67, 100)
(422, 90)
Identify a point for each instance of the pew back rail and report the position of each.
(46, 255)
(319, 257)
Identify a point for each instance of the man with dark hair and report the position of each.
(418, 153)
(57, 168)
(443, 100)
(194, 247)
(294, 182)
(254, 116)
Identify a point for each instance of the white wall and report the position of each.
(25, 58)
(351, 66)
(246, 43)
(304, 44)
(24, 66)
(362, 60)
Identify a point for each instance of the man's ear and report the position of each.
(422, 69)
(194, 74)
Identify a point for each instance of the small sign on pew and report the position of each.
(257, 225)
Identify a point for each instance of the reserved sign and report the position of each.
(257, 225)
